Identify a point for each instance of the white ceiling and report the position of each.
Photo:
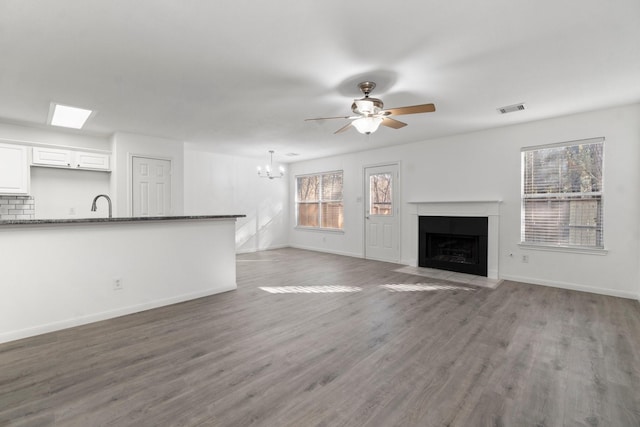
(240, 76)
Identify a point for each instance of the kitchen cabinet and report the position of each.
(71, 159)
(51, 157)
(14, 169)
(85, 160)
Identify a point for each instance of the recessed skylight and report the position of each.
(69, 117)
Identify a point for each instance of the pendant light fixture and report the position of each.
(268, 171)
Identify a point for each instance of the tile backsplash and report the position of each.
(17, 207)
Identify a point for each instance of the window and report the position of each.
(380, 197)
(562, 194)
(319, 200)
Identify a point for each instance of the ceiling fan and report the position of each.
(369, 113)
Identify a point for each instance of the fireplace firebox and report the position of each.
(453, 243)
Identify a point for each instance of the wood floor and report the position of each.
(436, 354)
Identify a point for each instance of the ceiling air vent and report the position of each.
(511, 108)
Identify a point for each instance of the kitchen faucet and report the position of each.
(94, 207)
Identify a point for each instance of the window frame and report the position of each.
(321, 201)
(599, 246)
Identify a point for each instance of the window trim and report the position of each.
(558, 247)
(563, 144)
(319, 202)
(319, 229)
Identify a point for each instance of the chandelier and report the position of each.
(268, 170)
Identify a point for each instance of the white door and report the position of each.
(382, 213)
(151, 192)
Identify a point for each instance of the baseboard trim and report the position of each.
(253, 250)
(410, 262)
(571, 286)
(326, 251)
(110, 314)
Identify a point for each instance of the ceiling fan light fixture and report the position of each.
(367, 125)
(369, 113)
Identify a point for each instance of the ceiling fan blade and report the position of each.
(414, 109)
(328, 118)
(343, 128)
(392, 123)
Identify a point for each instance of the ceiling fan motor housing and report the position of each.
(367, 87)
(367, 106)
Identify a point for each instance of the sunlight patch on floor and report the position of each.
(421, 287)
(310, 289)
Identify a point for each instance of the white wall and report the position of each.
(125, 145)
(218, 184)
(68, 193)
(486, 166)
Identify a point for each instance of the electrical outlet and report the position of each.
(117, 284)
(525, 258)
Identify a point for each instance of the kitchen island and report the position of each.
(60, 273)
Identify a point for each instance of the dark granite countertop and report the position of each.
(118, 219)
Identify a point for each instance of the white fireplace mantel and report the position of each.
(458, 207)
(478, 208)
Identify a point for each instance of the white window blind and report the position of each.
(562, 194)
(319, 201)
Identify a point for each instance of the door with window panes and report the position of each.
(382, 213)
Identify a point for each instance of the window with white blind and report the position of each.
(562, 194)
(319, 201)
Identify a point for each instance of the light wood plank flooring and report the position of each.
(435, 354)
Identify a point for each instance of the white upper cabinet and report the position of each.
(85, 160)
(51, 157)
(55, 157)
(14, 169)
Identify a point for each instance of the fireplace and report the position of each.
(453, 243)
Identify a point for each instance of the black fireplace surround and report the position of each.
(453, 243)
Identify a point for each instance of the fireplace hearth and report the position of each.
(453, 243)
